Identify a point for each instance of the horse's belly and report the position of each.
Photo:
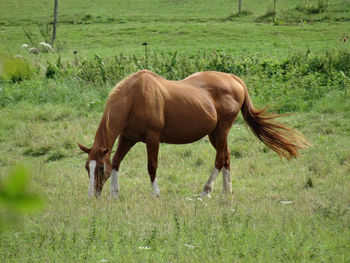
(186, 124)
(182, 137)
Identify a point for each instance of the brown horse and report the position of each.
(146, 107)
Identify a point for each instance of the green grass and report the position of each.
(251, 225)
(293, 64)
(111, 27)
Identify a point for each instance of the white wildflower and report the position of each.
(46, 45)
(285, 202)
(34, 50)
(190, 246)
(146, 248)
(188, 199)
(25, 46)
(103, 260)
(18, 56)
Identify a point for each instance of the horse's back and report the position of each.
(218, 84)
(226, 90)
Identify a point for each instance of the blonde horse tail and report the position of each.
(285, 141)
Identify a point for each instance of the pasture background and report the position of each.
(51, 101)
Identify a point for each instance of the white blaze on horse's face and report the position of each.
(98, 167)
(92, 167)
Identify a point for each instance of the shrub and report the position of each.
(267, 17)
(16, 69)
(292, 83)
(51, 71)
(320, 8)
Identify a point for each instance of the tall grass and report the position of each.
(15, 69)
(292, 83)
(175, 65)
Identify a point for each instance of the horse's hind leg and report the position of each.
(219, 140)
(124, 145)
(152, 144)
(227, 183)
(226, 176)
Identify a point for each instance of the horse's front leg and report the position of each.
(124, 145)
(152, 144)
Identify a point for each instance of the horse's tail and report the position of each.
(284, 141)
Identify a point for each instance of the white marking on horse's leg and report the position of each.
(114, 184)
(227, 183)
(209, 186)
(92, 166)
(155, 187)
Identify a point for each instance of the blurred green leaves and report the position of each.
(15, 69)
(15, 197)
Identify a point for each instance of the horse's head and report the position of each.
(99, 168)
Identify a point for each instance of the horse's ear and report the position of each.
(84, 149)
(105, 151)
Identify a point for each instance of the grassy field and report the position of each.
(110, 27)
(297, 211)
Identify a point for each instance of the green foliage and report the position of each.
(55, 156)
(268, 16)
(37, 152)
(291, 83)
(15, 199)
(51, 71)
(16, 69)
(313, 9)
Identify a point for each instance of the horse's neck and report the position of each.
(105, 137)
(112, 123)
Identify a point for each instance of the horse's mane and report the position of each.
(112, 100)
(114, 94)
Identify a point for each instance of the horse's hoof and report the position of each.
(155, 195)
(205, 195)
(113, 197)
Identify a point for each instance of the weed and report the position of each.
(199, 162)
(16, 69)
(186, 154)
(236, 153)
(311, 9)
(309, 183)
(177, 223)
(36, 152)
(55, 156)
(152, 237)
(268, 16)
(51, 71)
